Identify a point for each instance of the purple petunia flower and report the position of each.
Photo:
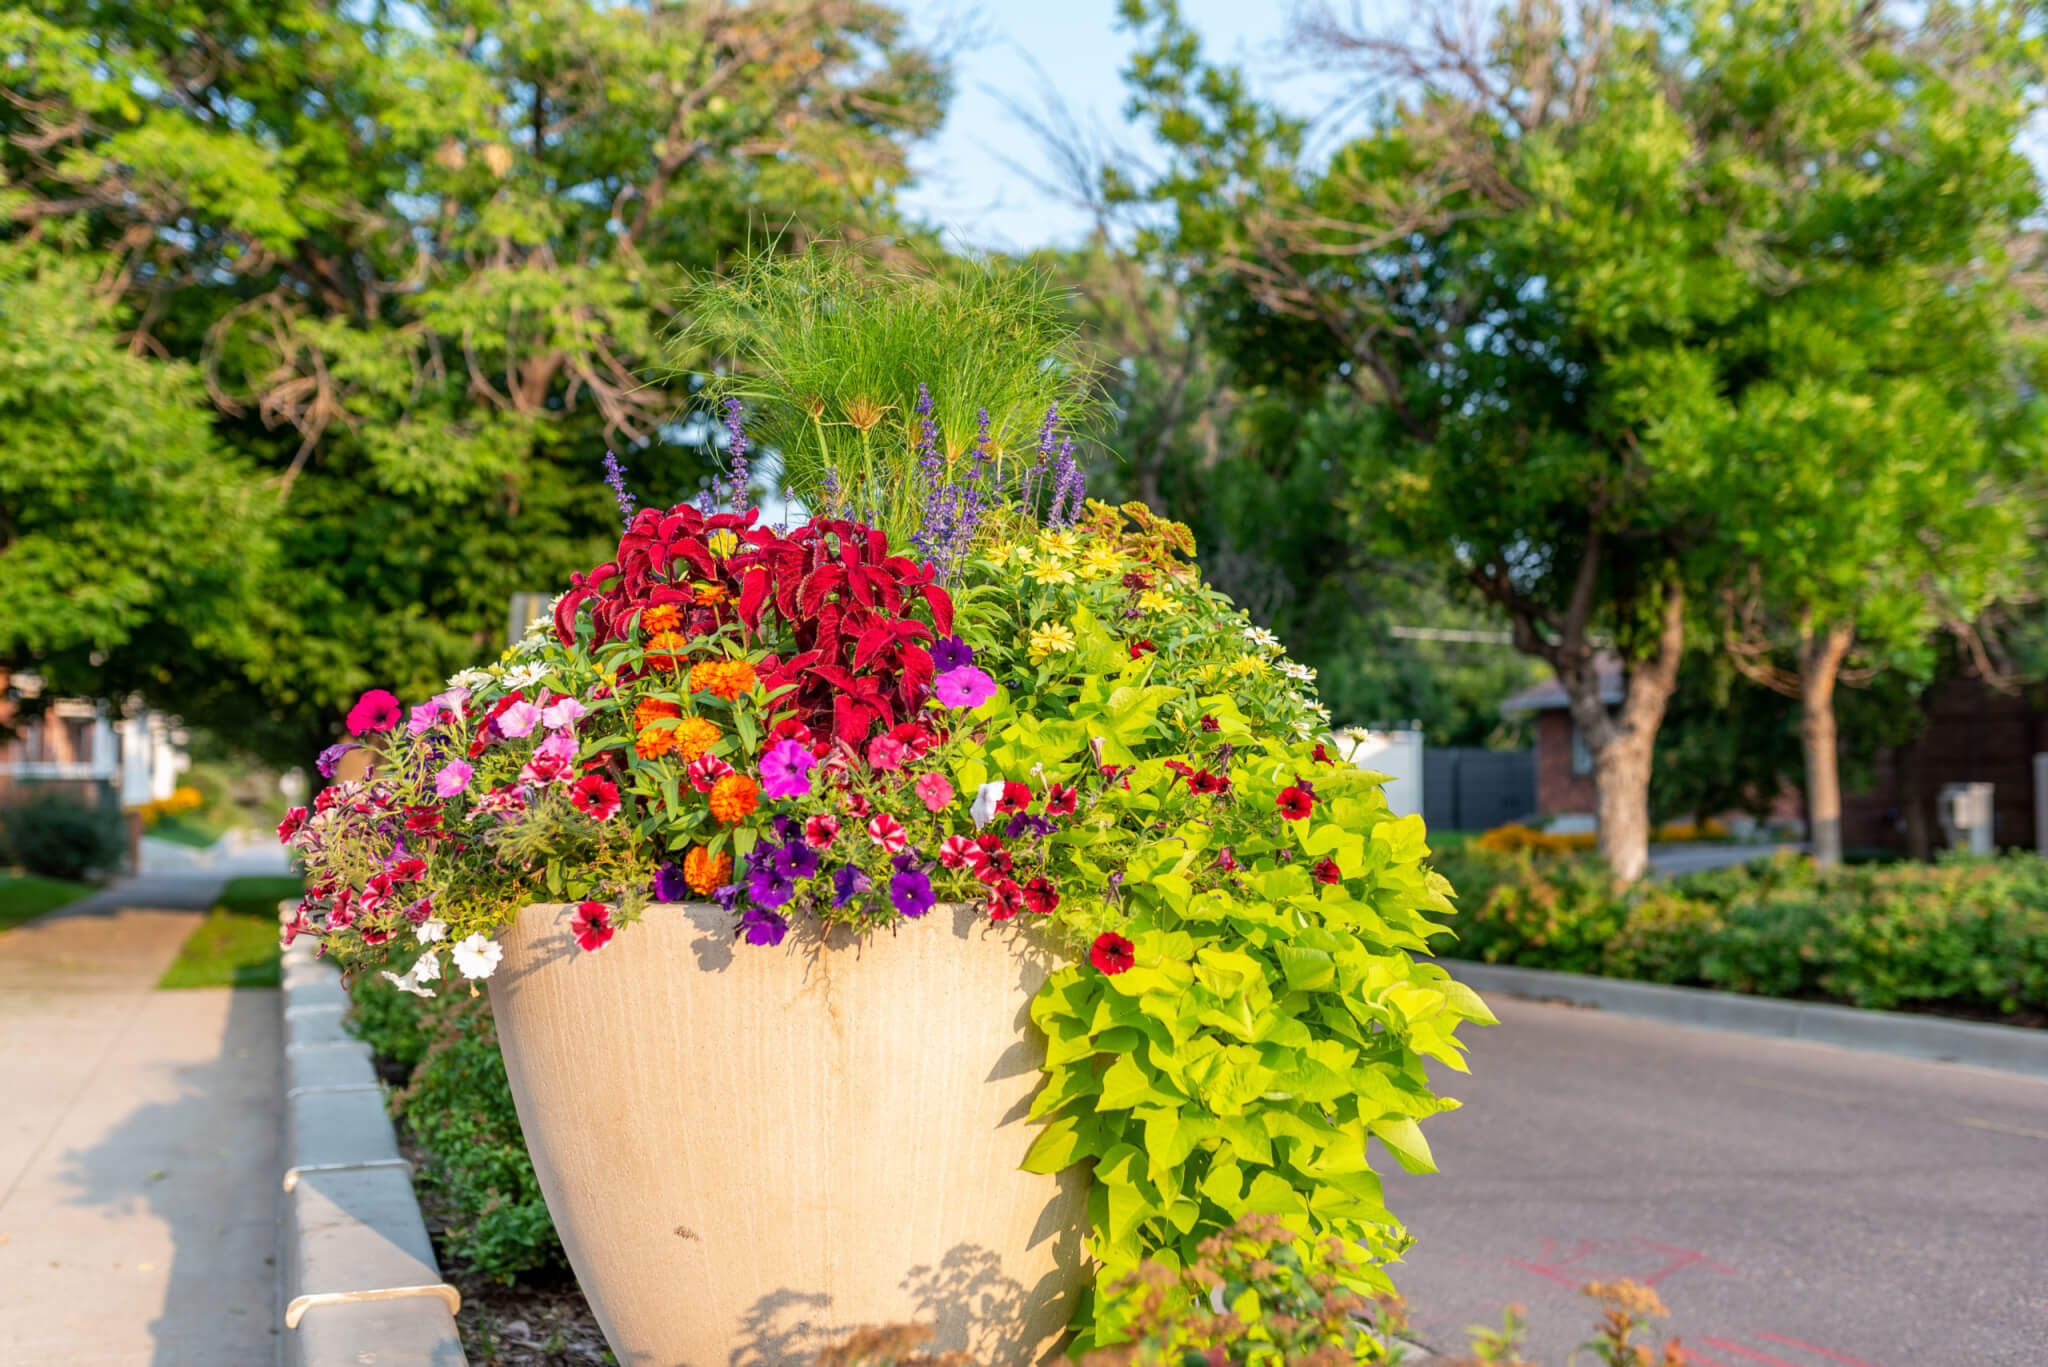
(848, 883)
(796, 860)
(330, 758)
(762, 927)
(670, 885)
(768, 885)
(730, 893)
(905, 862)
(1025, 822)
(950, 652)
(910, 893)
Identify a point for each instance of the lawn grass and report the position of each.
(27, 897)
(200, 830)
(236, 945)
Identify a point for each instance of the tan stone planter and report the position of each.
(749, 1151)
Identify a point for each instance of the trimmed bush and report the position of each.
(56, 838)
(1965, 937)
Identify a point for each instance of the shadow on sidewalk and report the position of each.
(205, 1164)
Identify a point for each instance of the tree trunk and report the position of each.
(1621, 776)
(1820, 662)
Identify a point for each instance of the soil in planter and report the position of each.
(539, 1321)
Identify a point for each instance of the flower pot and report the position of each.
(750, 1151)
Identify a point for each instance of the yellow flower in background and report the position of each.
(1054, 638)
(1023, 555)
(722, 542)
(1058, 543)
(1248, 665)
(1152, 600)
(1052, 572)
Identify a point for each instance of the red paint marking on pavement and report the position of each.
(1573, 1272)
(1698, 1359)
(1807, 1347)
(1691, 1256)
(1725, 1346)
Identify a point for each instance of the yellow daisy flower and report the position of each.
(1152, 600)
(1054, 638)
(1099, 560)
(722, 542)
(1052, 572)
(1058, 543)
(1248, 665)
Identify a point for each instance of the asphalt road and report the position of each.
(1795, 1205)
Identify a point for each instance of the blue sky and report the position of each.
(976, 177)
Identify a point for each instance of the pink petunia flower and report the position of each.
(376, 710)
(562, 712)
(888, 832)
(935, 791)
(886, 752)
(545, 768)
(424, 718)
(519, 719)
(786, 770)
(821, 831)
(452, 779)
(963, 687)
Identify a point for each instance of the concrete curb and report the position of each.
(2006, 1047)
(358, 1281)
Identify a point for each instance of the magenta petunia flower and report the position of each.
(964, 687)
(424, 718)
(376, 710)
(786, 770)
(886, 752)
(452, 779)
(519, 719)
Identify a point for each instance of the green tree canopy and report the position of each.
(422, 257)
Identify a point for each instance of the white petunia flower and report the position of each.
(477, 957)
(426, 968)
(986, 797)
(408, 983)
(431, 929)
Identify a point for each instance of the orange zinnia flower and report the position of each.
(709, 595)
(733, 797)
(694, 736)
(650, 708)
(663, 649)
(707, 872)
(722, 678)
(661, 617)
(654, 741)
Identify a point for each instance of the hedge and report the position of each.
(1964, 937)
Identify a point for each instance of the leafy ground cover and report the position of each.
(25, 897)
(1964, 937)
(236, 945)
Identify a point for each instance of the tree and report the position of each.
(1540, 283)
(114, 495)
(423, 257)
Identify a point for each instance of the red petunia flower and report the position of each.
(1142, 646)
(1016, 797)
(423, 821)
(989, 861)
(705, 771)
(1226, 860)
(1005, 899)
(1112, 953)
(1294, 804)
(1040, 895)
(1205, 783)
(1059, 799)
(1211, 724)
(1322, 755)
(375, 935)
(888, 832)
(376, 710)
(407, 870)
(596, 796)
(290, 826)
(956, 850)
(1182, 770)
(820, 831)
(374, 892)
(1328, 872)
(592, 924)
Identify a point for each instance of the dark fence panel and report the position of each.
(1469, 789)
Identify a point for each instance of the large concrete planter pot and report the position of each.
(750, 1151)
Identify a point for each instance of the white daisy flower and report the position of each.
(477, 957)
(524, 676)
(431, 929)
(1262, 638)
(1296, 671)
(471, 679)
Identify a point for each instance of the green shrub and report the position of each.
(57, 838)
(457, 1103)
(1967, 936)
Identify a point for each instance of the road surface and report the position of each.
(1796, 1205)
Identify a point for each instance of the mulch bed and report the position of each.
(538, 1321)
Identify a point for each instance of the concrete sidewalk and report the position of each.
(138, 1142)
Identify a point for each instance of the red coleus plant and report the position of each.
(830, 597)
